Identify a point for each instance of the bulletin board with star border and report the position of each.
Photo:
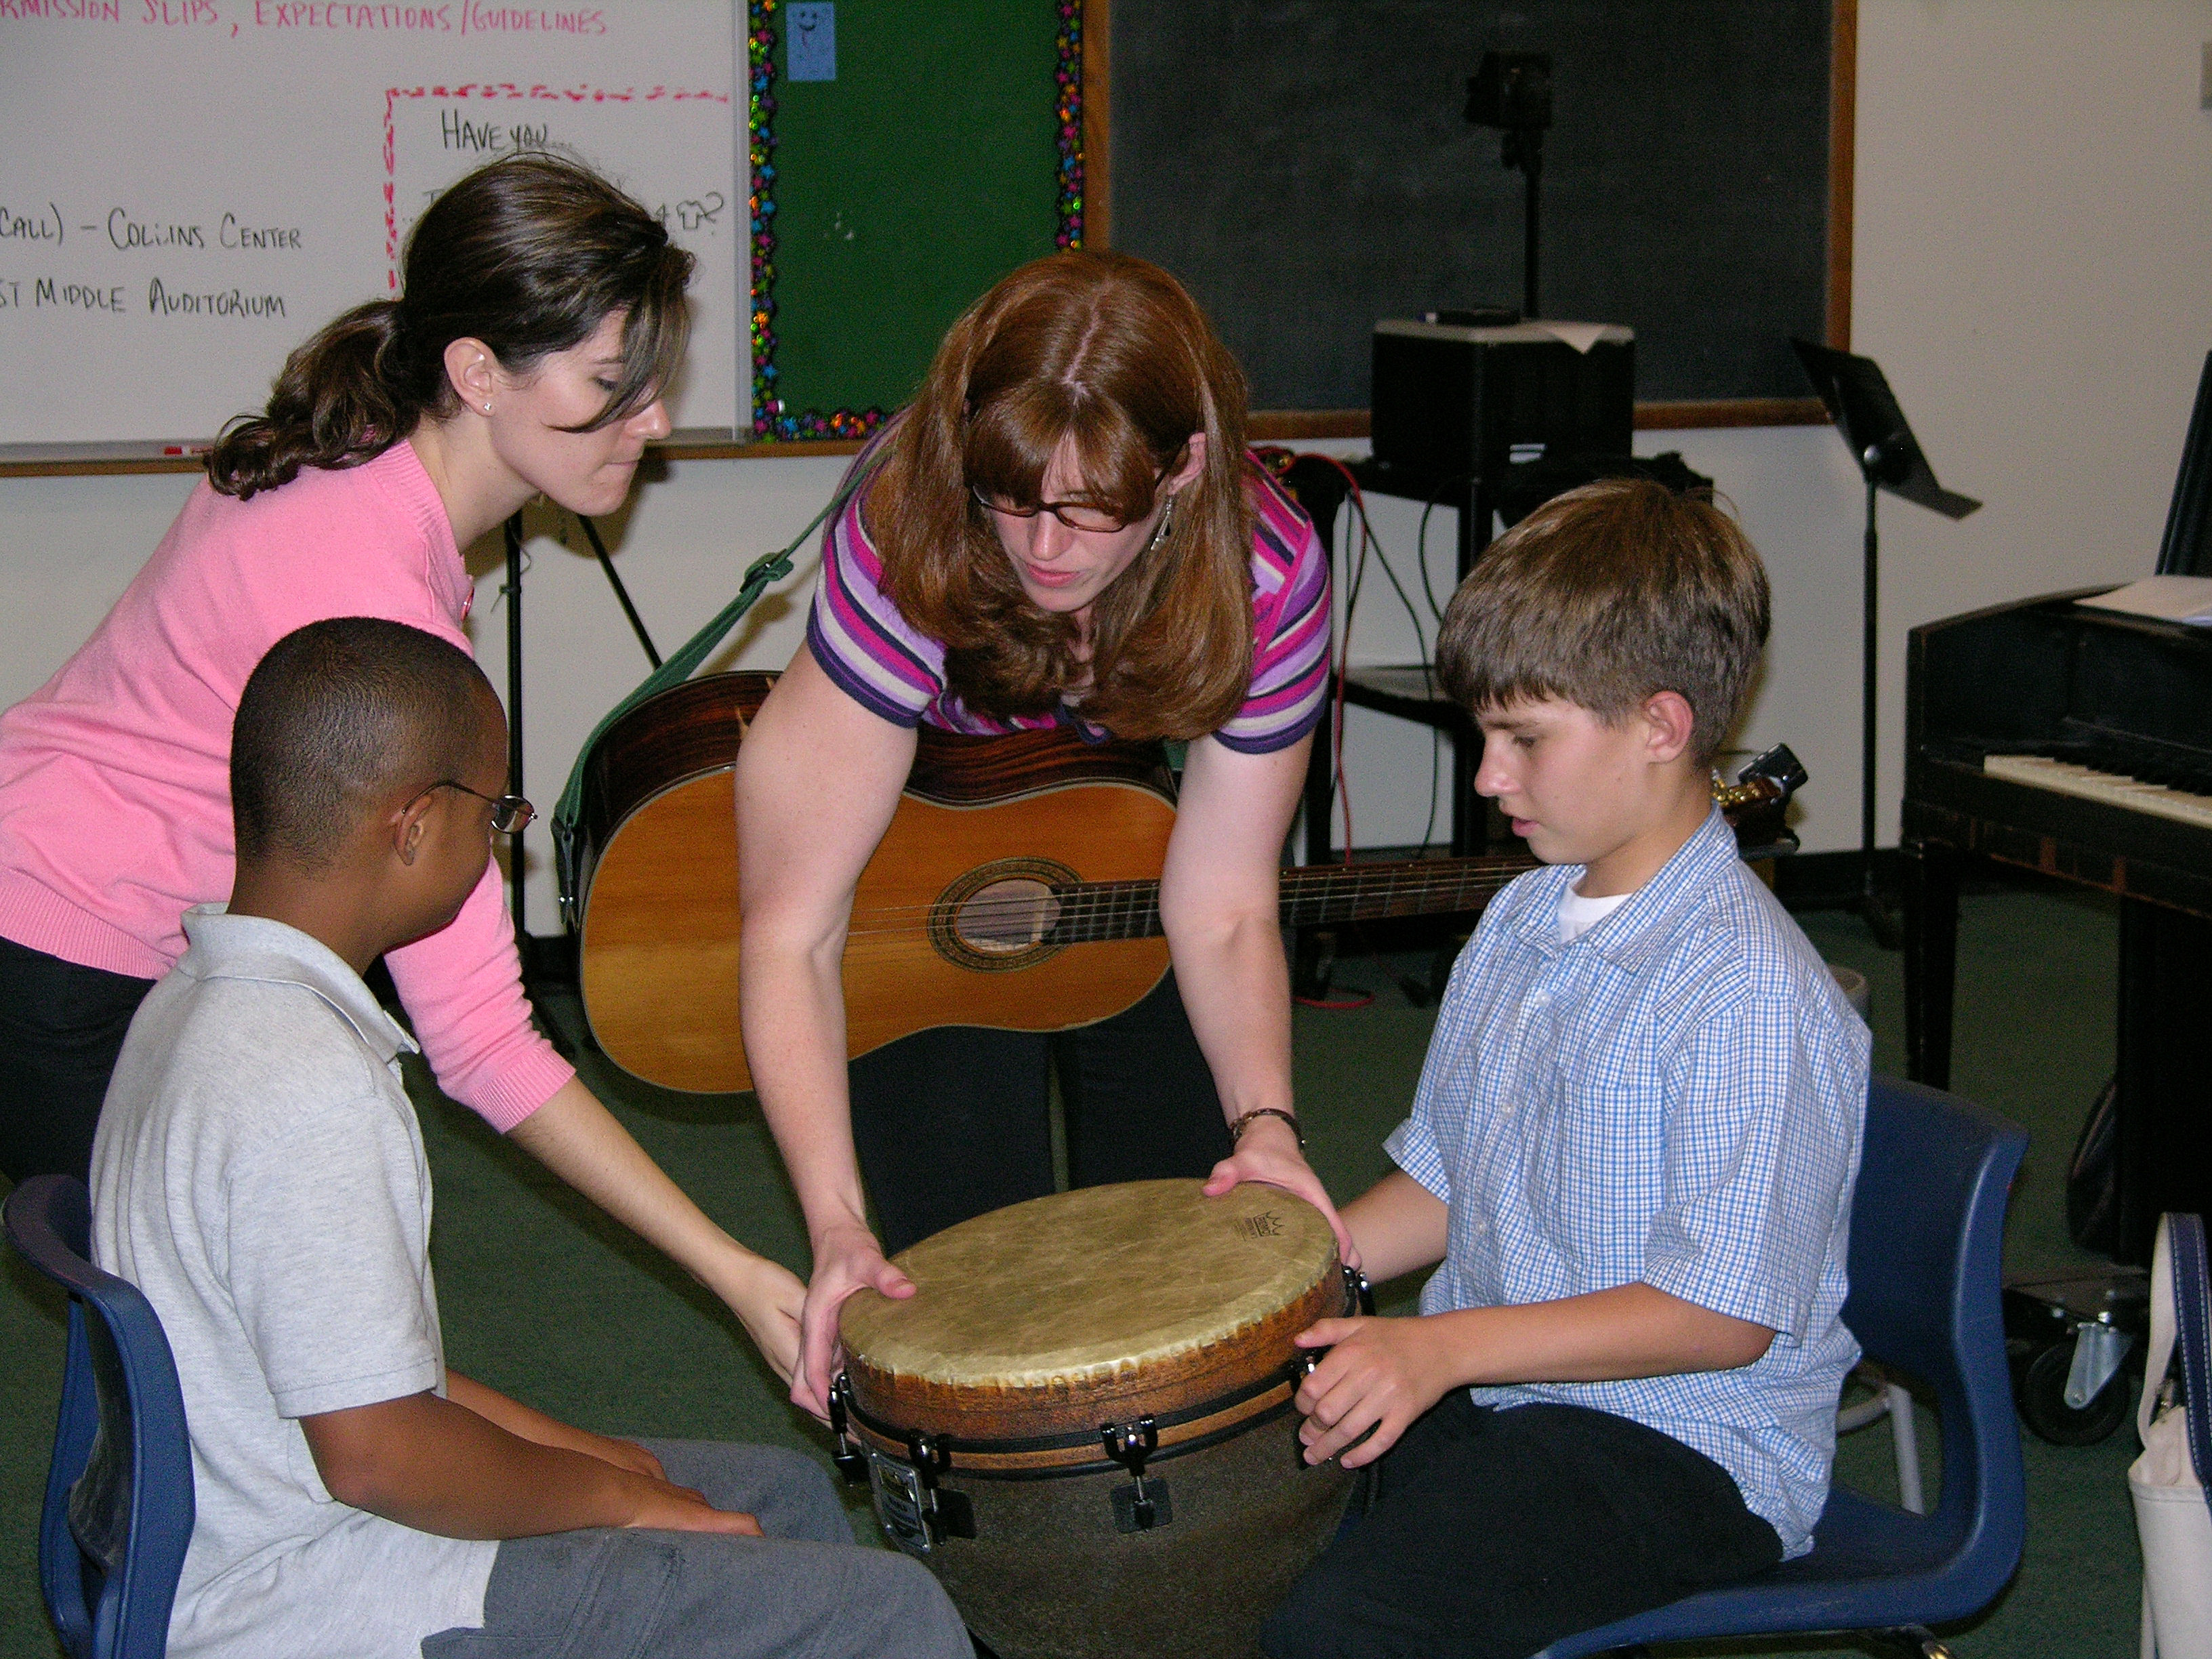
(946, 151)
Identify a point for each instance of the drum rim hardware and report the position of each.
(862, 1436)
(1136, 1507)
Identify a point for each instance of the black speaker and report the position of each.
(1455, 404)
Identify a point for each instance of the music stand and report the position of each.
(1864, 409)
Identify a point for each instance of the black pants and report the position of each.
(1491, 1534)
(955, 1123)
(61, 1028)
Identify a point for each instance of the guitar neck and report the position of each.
(1312, 895)
(1317, 893)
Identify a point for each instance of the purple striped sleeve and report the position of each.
(856, 634)
(1291, 627)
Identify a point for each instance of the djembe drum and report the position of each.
(1082, 1420)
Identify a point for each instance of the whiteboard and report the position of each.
(190, 188)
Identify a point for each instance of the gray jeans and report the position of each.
(804, 1590)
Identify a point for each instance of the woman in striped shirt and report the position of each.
(1064, 529)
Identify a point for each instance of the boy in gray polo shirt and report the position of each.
(259, 1173)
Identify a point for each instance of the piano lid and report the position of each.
(2186, 550)
(2038, 674)
(2106, 693)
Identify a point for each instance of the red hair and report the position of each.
(1110, 353)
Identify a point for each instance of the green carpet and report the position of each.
(545, 1299)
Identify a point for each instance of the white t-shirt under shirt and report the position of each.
(1577, 915)
(258, 1173)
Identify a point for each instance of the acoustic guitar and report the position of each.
(1018, 886)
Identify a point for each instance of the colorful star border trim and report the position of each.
(772, 421)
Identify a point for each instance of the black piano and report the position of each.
(2077, 742)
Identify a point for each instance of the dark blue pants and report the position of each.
(1490, 1534)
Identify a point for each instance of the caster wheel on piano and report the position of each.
(2039, 1388)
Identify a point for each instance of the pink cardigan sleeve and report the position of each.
(115, 778)
(462, 988)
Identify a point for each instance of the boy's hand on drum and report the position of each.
(847, 1259)
(1269, 1152)
(1378, 1375)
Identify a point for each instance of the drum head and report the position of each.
(1147, 1289)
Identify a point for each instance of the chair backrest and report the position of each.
(119, 1508)
(1927, 1232)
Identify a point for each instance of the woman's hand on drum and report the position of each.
(847, 1258)
(768, 1301)
(1378, 1375)
(1268, 1151)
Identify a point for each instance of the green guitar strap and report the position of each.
(761, 575)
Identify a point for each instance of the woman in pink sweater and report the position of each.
(542, 313)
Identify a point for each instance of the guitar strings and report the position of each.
(1088, 897)
(1080, 898)
(1093, 902)
(1426, 874)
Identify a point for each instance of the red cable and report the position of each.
(1336, 1004)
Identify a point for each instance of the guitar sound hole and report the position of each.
(1007, 916)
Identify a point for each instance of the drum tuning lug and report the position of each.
(1140, 1507)
(1357, 1293)
(932, 1454)
(1130, 1443)
(945, 1514)
(849, 1458)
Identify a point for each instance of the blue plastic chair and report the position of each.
(119, 1509)
(1926, 1227)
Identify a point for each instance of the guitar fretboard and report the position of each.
(1093, 910)
(1312, 895)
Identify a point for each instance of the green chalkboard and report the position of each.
(902, 189)
(1333, 179)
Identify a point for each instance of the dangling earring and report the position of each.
(1166, 523)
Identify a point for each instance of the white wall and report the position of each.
(2034, 271)
(2032, 268)
(1797, 493)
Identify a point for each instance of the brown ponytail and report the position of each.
(529, 255)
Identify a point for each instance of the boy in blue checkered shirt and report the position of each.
(1631, 1151)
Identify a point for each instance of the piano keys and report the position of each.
(2078, 743)
(2120, 789)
